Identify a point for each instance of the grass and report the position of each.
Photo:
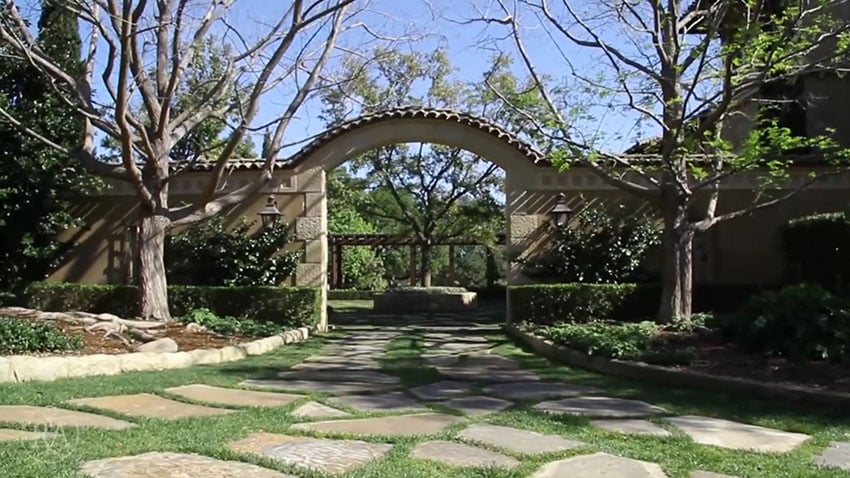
(678, 455)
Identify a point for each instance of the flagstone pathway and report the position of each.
(341, 432)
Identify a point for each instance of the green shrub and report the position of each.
(8, 298)
(209, 254)
(819, 248)
(232, 325)
(553, 303)
(23, 336)
(428, 290)
(602, 247)
(351, 294)
(799, 322)
(290, 306)
(629, 341)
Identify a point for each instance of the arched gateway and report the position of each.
(531, 183)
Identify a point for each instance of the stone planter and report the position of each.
(400, 302)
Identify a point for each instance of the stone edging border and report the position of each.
(680, 378)
(26, 368)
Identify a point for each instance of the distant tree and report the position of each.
(36, 183)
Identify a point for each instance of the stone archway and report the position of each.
(530, 181)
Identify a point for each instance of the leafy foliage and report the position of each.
(580, 303)
(208, 253)
(289, 306)
(232, 325)
(798, 322)
(819, 248)
(629, 341)
(600, 247)
(37, 183)
(19, 336)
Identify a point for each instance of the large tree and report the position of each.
(689, 72)
(137, 54)
(431, 192)
(37, 182)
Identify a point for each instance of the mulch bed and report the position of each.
(716, 357)
(97, 343)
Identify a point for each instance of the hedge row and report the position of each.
(495, 292)
(552, 303)
(818, 246)
(291, 306)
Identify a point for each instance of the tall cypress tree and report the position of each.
(36, 182)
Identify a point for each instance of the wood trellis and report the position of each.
(337, 241)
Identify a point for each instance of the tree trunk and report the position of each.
(677, 271)
(153, 287)
(425, 267)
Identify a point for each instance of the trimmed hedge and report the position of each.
(351, 294)
(8, 298)
(579, 302)
(290, 306)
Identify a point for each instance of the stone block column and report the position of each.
(312, 229)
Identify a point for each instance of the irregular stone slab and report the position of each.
(318, 386)
(383, 402)
(601, 407)
(402, 425)
(324, 455)
(738, 436)
(538, 390)
(708, 474)
(149, 406)
(837, 455)
(58, 417)
(441, 360)
(159, 346)
(441, 390)
(481, 374)
(457, 454)
(631, 426)
(318, 410)
(9, 434)
(232, 396)
(494, 361)
(599, 465)
(478, 404)
(518, 441)
(340, 375)
(158, 465)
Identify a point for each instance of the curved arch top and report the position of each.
(414, 124)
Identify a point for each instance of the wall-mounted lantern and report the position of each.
(559, 215)
(270, 214)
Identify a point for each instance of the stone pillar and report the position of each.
(312, 228)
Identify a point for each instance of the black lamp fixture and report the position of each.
(270, 214)
(560, 213)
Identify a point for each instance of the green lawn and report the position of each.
(61, 456)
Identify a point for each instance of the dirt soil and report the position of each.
(97, 343)
(716, 357)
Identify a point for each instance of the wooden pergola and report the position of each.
(337, 241)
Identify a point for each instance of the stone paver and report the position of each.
(401, 425)
(457, 454)
(708, 474)
(318, 410)
(318, 386)
(10, 434)
(232, 396)
(538, 390)
(482, 374)
(441, 390)
(340, 375)
(493, 361)
(324, 455)
(174, 465)
(601, 407)
(631, 426)
(738, 436)
(478, 404)
(836, 455)
(149, 406)
(439, 360)
(384, 402)
(599, 465)
(58, 417)
(515, 440)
